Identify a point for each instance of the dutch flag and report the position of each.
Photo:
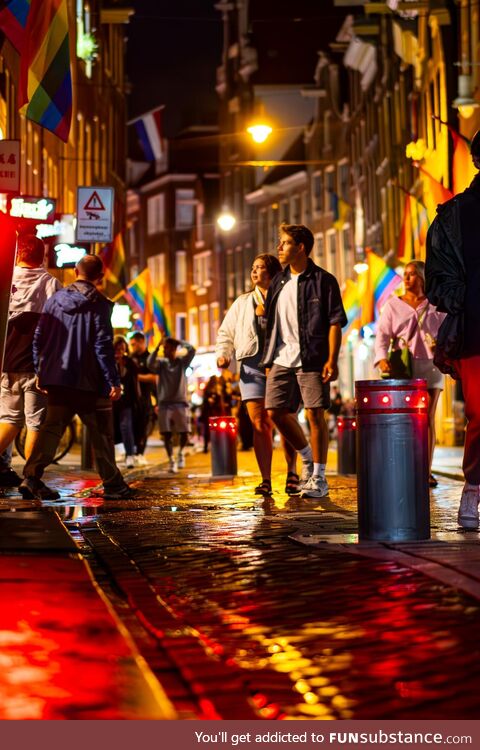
(149, 131)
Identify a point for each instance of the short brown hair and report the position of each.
(30, 249)
(300, 234)
(90, 266)
(272, 264)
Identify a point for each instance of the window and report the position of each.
(348, 259)
(180, 270)
(184, 209)
(332, 252)
(156, 266)
(156, 214)
(200, 217)
(202, 269)
(343, 181)
(204, 320)
(214, 321)
(318, 250)
(317, 191)
(181, 326)
(239, 275)
(329, 189)
(284, 214)
(193, 326)
(296, 209)
(230, 277)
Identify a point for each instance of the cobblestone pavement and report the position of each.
(270, 609)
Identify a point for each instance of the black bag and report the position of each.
(400, 361)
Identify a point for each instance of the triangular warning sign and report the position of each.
(94, 203)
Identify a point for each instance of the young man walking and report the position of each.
(305, 315)
(172, 396)
(75, 364)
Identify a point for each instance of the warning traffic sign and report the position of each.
(94, 203)
(94, 214)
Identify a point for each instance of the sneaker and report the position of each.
(172, 466)
(315, 487)
(307, 471)
(181, 461)
(468, 511)
(9, 478)
(34, 489)
(124, 493)
(140, 460)
(129, 462)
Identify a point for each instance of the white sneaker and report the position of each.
(129, 462)
(172, 466)
(315, 487)
(306, 473)
(140, 460)
(468, 511)
(181, 461)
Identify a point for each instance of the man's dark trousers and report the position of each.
(96, 414)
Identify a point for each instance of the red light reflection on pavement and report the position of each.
(61, 654)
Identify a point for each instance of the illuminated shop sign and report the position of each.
(63, 228)
(68, 255)
(35, 209)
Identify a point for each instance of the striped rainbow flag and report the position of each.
(113, 256)
(139, 295)
(375, 286)
(351, 303)
(159, 316)
(45, 90)
(13, 20)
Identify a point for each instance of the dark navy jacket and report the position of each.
(73, 342)
(319, 307)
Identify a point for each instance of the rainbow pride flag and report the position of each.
(351, 303)
(413, 233)
(113, 256)
(13, 21)
(139, 295)
(375, 286)
(45, 87)
(159, 316)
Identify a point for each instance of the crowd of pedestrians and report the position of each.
(62, 360)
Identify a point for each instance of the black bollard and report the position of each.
(346, 445)
(392, 460)
(87, 452)
(223, 445)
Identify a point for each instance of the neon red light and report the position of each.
(354, 424)
(340, 424)
(223, 425)
(385, 399)
(365, 399)
(407, 398)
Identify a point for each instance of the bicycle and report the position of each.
(66, 441)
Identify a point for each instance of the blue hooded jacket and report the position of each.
(73, 342)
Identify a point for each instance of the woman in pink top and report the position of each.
(413, 319)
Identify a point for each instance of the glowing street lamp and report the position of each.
(259, 132)
(226, 221)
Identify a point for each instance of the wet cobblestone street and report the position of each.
(248, 608)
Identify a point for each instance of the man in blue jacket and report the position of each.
(75, 364)
(305, 315)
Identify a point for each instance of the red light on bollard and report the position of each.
(340, 424)
(223, 445)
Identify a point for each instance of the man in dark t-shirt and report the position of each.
(147, 381)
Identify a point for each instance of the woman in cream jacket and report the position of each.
(242, 334)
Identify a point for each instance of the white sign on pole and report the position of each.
(9, 166)
(95, 214)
